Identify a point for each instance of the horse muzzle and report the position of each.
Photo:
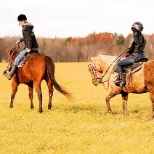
(96, 81)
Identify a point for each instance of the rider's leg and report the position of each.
(121, 81)
(9, 74)
(122, 77)
(124, 63)
(19, 57)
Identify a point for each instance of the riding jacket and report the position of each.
(137, 44)
(28, 36)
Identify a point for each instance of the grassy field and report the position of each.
(81, 126)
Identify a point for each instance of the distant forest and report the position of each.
(78, 49)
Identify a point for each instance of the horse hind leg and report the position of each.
(152, 100)
(50, 89)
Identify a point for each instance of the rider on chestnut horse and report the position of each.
(29, 41)
(134, 51)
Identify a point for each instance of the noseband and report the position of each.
(94, 70)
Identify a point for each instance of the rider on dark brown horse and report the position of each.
(134, 51)
(29, 41)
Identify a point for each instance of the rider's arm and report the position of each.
(131, 47)
(28, 34)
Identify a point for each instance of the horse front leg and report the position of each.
(30, 88)
(113, 91)
(108, 104)
(151, 92)
(109, 96)
(14, 91)
(153, 109)
(37, 86)
(124, 99)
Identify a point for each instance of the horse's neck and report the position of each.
(104, 66)
(107, 68)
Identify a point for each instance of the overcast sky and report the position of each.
(76, 18)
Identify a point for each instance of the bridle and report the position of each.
(92, 68)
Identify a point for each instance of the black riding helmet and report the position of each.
(21, 17)
(137, 26)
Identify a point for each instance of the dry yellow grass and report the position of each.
(78, 127)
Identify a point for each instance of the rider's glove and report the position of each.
(18, 42)
(28, 50)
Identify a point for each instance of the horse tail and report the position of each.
(50, 73)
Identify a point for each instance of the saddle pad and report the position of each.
(23, 60)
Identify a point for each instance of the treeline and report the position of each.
(78, 49)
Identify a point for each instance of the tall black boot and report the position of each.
(10, 74)
(123, 79)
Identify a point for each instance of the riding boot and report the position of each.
(122, 79)
(10, 74)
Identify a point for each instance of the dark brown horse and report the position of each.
(37, 68)
(141, 81)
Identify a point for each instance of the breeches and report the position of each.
(21, 55)
(127, 62)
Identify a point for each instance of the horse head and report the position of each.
(11, 54)
(95, 70)
(100, 67)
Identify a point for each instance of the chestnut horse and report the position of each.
(37, 68)
(141, 81)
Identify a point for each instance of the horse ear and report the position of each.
(89, 59)
(7, 51)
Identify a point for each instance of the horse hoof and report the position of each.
(49, 107)
(110, 112)
(10, 106)
(40, 111)
(32, 107)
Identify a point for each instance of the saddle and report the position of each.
(136, 66)
(26, 57)
(132, 69)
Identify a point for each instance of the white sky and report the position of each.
(76, 18)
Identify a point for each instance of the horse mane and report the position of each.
(108, 58)
(14, 51)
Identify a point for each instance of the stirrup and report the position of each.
(122, 84)
(119, 83)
